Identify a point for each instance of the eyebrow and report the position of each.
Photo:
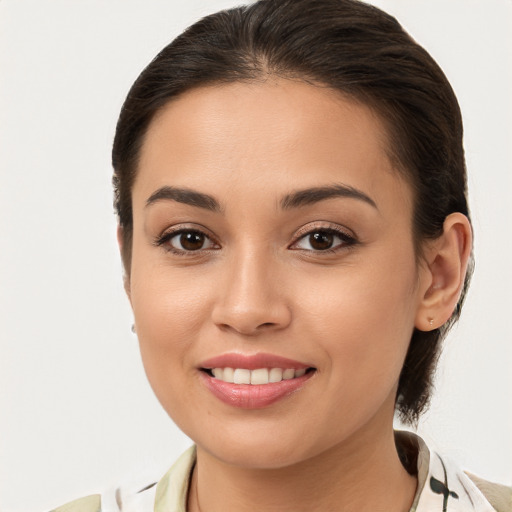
(295, 199)
(185, 196)
(316, 194)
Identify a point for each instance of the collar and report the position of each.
(442, 486)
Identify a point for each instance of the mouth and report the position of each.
(256, 377)
(254, 381)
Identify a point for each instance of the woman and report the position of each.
(290, 184)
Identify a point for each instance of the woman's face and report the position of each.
(271, 233)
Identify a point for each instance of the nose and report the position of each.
(250, 298)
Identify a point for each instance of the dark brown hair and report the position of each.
(350, 47)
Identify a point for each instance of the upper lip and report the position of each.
(252, 362)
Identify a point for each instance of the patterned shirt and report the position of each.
(442, 487)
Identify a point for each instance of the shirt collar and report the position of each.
(442, 486)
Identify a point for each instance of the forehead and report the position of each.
(283, 133)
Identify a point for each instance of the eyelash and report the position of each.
(165, 238)
(347, 240)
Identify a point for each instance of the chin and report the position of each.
(256, 445)
(262, 455)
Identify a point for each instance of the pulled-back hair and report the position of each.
(350, 47)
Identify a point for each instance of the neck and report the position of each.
(362, 474)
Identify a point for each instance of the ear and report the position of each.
(126, 277)
(442, 278)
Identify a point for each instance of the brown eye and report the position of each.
(329, 239)
(321, 240)
(190, 240)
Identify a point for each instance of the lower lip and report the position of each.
(251, 396)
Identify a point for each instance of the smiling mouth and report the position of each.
(259, 376)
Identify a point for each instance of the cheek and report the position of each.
(168, 315)
(364, 318)
(379, 295)
(169, 306)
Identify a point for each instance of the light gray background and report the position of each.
(76, 413)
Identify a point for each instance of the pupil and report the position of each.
(192, 241)
(321, 240)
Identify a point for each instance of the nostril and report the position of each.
(250, 319)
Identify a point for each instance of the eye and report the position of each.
(326, 239)
(190, 241)
(186, 240)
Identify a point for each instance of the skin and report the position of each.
(258, 285)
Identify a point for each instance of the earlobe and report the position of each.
(126, 277)
(446, 265)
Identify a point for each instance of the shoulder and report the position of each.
(498, 495)
(87, 504)
(443, 485)
(119, 499)
(169, 493)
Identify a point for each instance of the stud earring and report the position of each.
(133, 328)
(430, 321)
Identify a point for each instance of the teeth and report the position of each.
(300, 373)
(242, 376)
(288, 374)
(275, 375)
(228, 376)
(258, 376)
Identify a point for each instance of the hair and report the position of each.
(350, 47)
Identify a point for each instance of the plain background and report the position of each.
(76, 412)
